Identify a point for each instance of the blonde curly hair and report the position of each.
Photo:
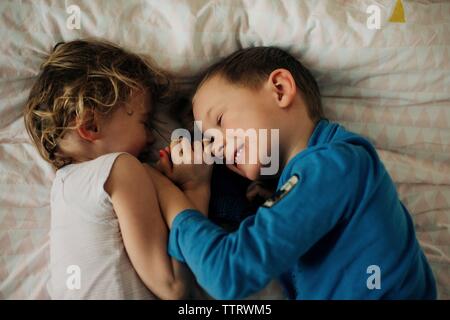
(81, 78)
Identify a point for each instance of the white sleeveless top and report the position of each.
(87, 255)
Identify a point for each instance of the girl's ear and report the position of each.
(283, 87)
(88, 128)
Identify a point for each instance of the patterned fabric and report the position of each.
(391, 85)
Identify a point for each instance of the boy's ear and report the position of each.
(283, 87)
(88, 128)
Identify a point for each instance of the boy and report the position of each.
(335, 228)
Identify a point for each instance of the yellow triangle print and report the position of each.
(398, 15)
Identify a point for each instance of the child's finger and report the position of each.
(253, 185)
(216, 148)
(208, 154)
(167, 150)
(265, 193)
(173, 143)
(198, 156)
(187, 151)
(251, 194)
(181, 150)
(259, 191)
(176, 151)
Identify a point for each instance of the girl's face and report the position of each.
(127, 129)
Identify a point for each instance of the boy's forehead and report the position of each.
(210, 92)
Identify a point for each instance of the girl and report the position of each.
(88, 115)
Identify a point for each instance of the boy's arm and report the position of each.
(235, 265)
(143, 230)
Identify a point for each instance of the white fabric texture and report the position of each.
(85, 237)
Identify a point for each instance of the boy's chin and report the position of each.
(249, 171)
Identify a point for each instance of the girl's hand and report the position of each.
(185, 167)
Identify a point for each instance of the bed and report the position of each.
(390, 84)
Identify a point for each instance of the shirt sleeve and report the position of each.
(235, 265)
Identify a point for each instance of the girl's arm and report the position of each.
(143, 230)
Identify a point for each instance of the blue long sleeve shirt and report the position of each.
(335, 229)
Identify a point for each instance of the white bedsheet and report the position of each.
(391, 85)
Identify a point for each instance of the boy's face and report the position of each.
(221, 105)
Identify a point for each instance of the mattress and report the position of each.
(390, 84)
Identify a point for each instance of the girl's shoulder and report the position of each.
(81, 187)
(95, 170)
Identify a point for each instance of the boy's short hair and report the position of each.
(250, 67)
(80, 79)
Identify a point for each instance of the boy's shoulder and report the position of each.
(323, 156)
(336, 172)
(345, 159)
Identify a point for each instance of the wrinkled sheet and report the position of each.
(392, 85)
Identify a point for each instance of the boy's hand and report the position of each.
(184, 166)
